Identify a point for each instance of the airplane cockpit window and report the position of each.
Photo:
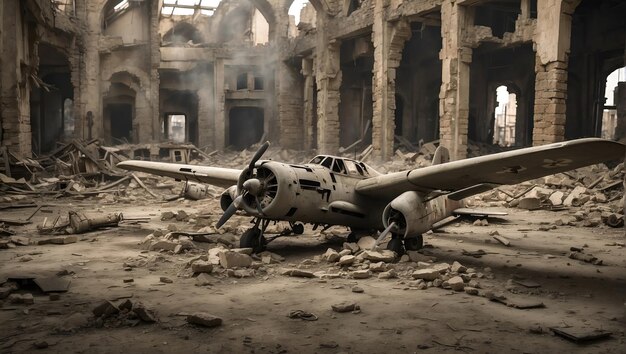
(317, 159)
(328, 161)
(339, 166)
(351, 167)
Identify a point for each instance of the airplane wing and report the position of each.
(217, 176)
(463, 178)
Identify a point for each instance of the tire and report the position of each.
(298, 228)
(250, 239)
(414, 243)
(395, 244)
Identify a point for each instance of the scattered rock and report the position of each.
(357, 289)
(529, 203)
(353, 247)
(204, 319)
(106, 308)
(166, 280)
(331, 255)
(143, 313)
(361, 274)
(24, 299)
(456, 283)
(298, 273)
(345, 307)
(426, 274)
(201, 267)
(458, 267)
(346, 260)
(390, 274)
(229, 259)
(379, 256)
(204, 279)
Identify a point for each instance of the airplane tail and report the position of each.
(442, 155)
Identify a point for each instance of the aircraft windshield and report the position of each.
(343, 166)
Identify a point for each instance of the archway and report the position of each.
(505, 115)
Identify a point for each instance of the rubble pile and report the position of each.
(125, 314)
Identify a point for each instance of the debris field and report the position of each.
(88, 264)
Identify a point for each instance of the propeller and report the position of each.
(250, 186)
(385, 232)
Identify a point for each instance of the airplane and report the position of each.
(332, 190)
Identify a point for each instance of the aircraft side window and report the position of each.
(327, 162)
(366, 173)
(351, 167)
(339, 166)
(358, 167)
(317, 159)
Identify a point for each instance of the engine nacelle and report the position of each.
(411, 214)
(227, 197)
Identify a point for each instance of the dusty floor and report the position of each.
(394, 317)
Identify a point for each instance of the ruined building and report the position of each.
(231, 72)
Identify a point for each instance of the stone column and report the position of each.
(205, 123)
(388, 39)
(552, 38)
(219, 99)
(328, 78)
(155, 61)
(289, 104)
(456, 58)
(308, 96)
(89, 67)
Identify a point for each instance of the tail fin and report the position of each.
(442, 155)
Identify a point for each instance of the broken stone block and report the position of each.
(163, 245)
(344, 253)
(214, 255)
(556, 198)
(379, 256)
(298, 273)
(574, 198)
(229, 259)
(366, 243)
(331, 256)
(456, 283)
(240, 273)
(426, 274)
(181, 215)
(204, 279)
(345, 307)
(357, 289)
(24, 299)
(353, 247)
(378, 267)
(415, 256)
(167, 215)
(204, 319)
(166, 280)
(143, 313)
(361, 274)
(106, 308)
(529, 203)
(346, 260)
(201, 267)
(276, 258)
(390, 274)
(458, 267)
(471, 291)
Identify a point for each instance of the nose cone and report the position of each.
(253, 186)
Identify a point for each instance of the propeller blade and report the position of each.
(385, 232)
(230, 211)
(258, 205)
(257, 155)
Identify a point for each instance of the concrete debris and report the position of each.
(298, 273)
(378, 256)
(203, 279)
(22, 299)
(331, 255)
(204, 319)
(426, 274)
(503, 240)
(346, 260)
(361, 274)
(455, 283)
(106, 308)
(390, 274)
(588, 258)
(458, 267)
(230, 259)
(201, 267)
(353, 247)
(357, 289)
(529, 203)
(347, 306)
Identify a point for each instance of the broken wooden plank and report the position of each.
(143, 185)
(580, 334)
(502, 240)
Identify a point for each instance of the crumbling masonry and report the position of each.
(377, 72)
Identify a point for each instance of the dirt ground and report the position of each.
(394, 317)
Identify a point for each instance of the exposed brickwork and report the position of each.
(328, 77)
(550, 96)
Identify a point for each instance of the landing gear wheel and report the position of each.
(298, 228)
(414, 243)
(395, 244)
(252, 238)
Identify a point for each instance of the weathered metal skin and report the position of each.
(414, 216)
